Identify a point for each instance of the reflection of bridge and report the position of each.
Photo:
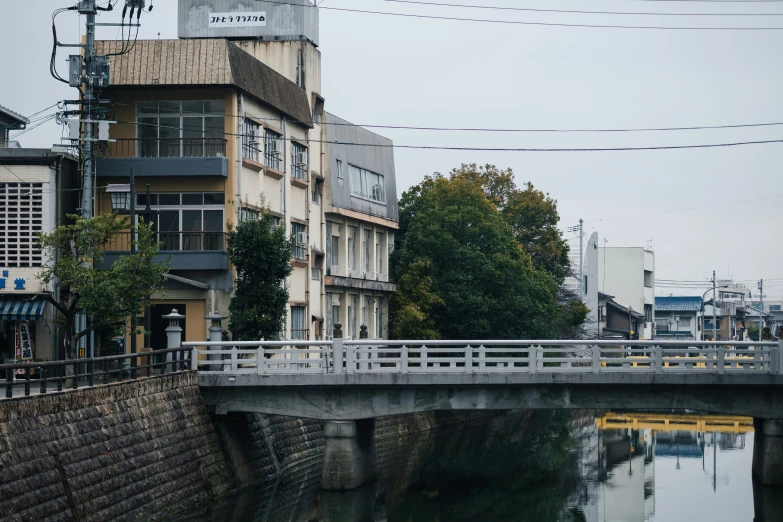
(348, 383)
(666, 422)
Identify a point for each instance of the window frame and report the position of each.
(272, 159)
(206, 149)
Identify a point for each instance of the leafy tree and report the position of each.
(460, 271)
(531, 214)
(108, 297)
(261, 255)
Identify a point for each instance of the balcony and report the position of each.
(200, 157)
(188, 250)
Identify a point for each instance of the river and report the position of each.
(536, 466)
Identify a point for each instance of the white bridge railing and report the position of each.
(526, 356)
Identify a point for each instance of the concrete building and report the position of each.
(216, 135)
(360, 206)
(677, 317)
(629, 275)
(38, 189)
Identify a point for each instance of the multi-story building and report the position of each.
(360, 207)
(214, 134)
(629, 275)
(39, 188)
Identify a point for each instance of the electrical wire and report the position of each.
(686, 209)
(537, 10)
(551, 24)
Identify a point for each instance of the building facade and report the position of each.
(360, 206)
(38, 189)
(629, 275)
(677, 317)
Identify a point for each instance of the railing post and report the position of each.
(260, 361)
(194, 359)
(43, 380)
(363, 334)
(596, 359)
(658, 350)
(532, 359)
(174, 335)
(468, 359)
(234, 358)
(757, 358)
(350, 358)
(9, 384)
(721, 359)
(482, 355)
(404, 359)
(423, 358)
(338, 348)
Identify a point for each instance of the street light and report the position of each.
(120, 197)
(714, 300)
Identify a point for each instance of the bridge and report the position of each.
(349, 383)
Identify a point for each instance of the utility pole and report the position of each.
(714, 311)
(761, 309)
(583, 290)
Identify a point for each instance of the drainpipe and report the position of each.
(308, 202)
(240, 120)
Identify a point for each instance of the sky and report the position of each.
(404, 71)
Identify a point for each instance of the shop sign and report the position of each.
(5, 281)
(26, 344)
(244, 19)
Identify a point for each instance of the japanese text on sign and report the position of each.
(218, 20)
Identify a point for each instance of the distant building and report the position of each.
(677, 317)
(629, 275)
(10, 121)
(615, 321)
(38, 189)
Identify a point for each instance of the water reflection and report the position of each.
(542, 466)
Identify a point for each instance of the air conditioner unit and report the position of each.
(301, 239)
(301, 159)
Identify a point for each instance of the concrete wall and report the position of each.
(124, 451)
(621, 273)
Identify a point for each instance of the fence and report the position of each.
(98, 370)
(527, 356)
(174, 241)
(168, 148)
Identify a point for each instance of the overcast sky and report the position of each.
(423, 72)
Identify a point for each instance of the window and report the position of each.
(366, 184)
(379, 319)
(648, 313)
(684, 323)
(352, 316)
(774, 308)
(273, 146)
(352, 248)
(379, 253)
(298, 160)
(174, 129)
(187, 221)
(300, 69)
(21, 219)
(648, 279)
(251, 137)
(318, 188)
(339, 169)
(367, 250)
(246, 214)
(299, 251)
(584, 285)
(299, 331)
(367, 314)
(661, 324)
(315, 273)
(335, 250)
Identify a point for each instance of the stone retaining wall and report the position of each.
(126, 451)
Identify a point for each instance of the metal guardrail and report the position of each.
(527, 356)
(100, 370)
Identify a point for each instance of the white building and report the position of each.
(628, 274)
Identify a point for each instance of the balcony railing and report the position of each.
(168, 148)
(175, 242)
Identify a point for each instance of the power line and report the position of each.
(687, 209)
(551, 24)
(537, 10)
(489, 149)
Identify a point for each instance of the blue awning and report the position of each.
(20, 308)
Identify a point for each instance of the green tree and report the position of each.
(108, 297)
(261, 255)
(531, 214)
(460, 271)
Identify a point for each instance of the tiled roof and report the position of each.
(13, 115)
(678, 304)
(204, 63)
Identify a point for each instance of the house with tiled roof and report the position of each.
(676, 317)
(9, 121)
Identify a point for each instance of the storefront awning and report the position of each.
(20, 308)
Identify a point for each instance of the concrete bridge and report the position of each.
(349, 383)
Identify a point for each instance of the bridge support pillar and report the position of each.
(349, 454)
(768, 451)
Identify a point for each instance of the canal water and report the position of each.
(536, 466)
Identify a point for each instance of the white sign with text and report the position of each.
(246, 19)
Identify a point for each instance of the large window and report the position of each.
(273, 149)
(299, 330)
(299, 250)
(187, 220)
(178, 129)
(662, 324)
(335, 250)
(251, 138)
(298, 160)
(366, 184)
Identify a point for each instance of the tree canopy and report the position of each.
(460, 272)
(261, 255)
(108, 297)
